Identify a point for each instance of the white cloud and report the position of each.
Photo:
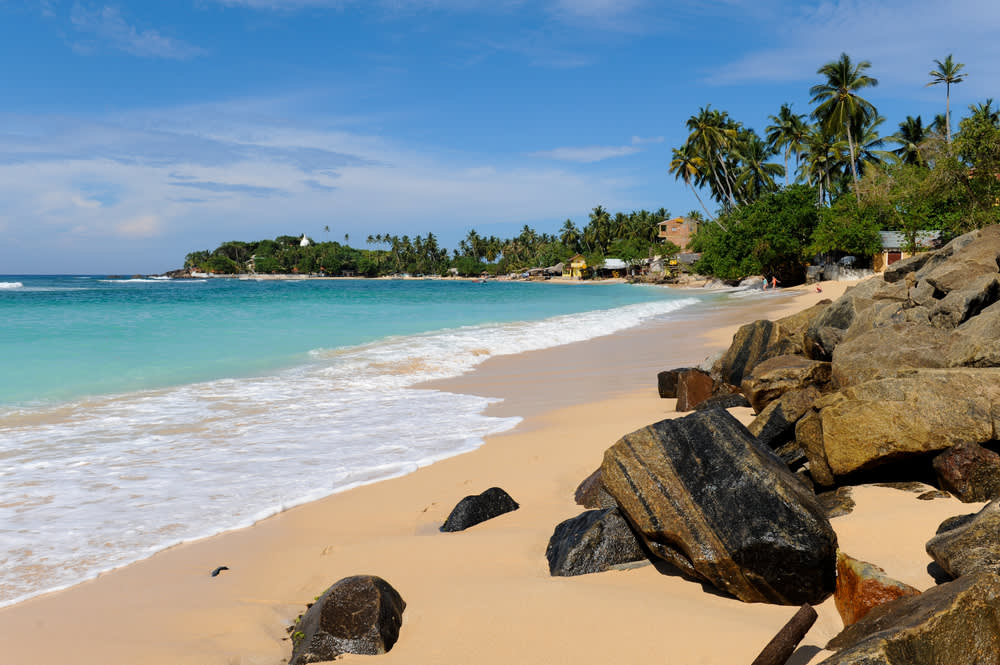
(144, 226)
(216, 185)
(107, 26)
(587, 154)
(900, 37)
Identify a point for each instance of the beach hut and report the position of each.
(893, 244)
(578, 268)
(613, 268)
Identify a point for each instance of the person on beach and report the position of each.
(774, 281)
(818, 290)
(765, 283)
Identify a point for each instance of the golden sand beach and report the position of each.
(481, 596)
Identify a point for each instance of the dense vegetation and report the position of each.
(822, 184)
(626, 236)
(931, 180)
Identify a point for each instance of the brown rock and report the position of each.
(837, 503)
(862, 586)
(752, 343)
(693, 387)
(885, 420)
(976, 342)
(775, 425)
(889, 351)
(969, 544)
(776, 376)
(666, 382)
(969, 471)
(954, 623)
(962, 304)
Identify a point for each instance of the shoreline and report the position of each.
(173, 612)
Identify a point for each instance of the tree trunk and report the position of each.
(854, 165)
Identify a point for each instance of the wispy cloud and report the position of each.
(99, 188)
(106, 27)
(900, 37)
(596, 153)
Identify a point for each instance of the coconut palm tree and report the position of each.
(755, 176)
(686, 165)
(985, 113)
(569, 235)
(870, 152)
(711, 137)
(950, 73)
(787, 132)
(838, 106)
(824, 160)
(910, 137)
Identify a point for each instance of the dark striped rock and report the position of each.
(592, 542)
(706, 497)
(360, 614)
(968, 544)
(478, 508)
(954, 623)
(862, 586)
(752, 343)
(969, 472)
(723, 401)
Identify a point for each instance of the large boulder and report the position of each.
(887, 420)
(478, 508)
(889, 351)
(862, 586)
(592, 542)
(776, 376)
(954, 623)
(792, 329)
(360, 614)
(724, 401)
(961, 304)
(751, 344)
(969, 544)
(969, 472)
(976, 343)
(829, 328)
(706, 497)
(775, 425)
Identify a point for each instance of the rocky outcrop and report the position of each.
(969, 544)
(862, 586)
(775, 425)
(976, 343)
(591, 542)
(360, 614)
(954, 623)
(888, 351)
(705, 496)
(962, 304)
(969, 472)
(478, 508)
(776, 376)
(752, 343)
(881, 421)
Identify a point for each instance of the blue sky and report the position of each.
(134, 132)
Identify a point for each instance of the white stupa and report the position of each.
(304, 242)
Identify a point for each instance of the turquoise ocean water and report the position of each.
(132, 409)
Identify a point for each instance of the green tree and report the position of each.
(910, 137)
(950, 73)
(839, 107)
(787, 132)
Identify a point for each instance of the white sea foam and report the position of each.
(11, 285)
(95, 484)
